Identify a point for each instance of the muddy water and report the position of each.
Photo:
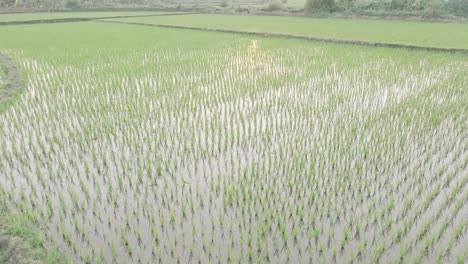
(136, 206)
(258, 159)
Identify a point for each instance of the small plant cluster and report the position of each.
(242, 154)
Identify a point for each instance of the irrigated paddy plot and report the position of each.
(141, 144)
(436, 35)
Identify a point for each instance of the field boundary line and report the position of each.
(303, 37)
(13, 85)
(80, 19)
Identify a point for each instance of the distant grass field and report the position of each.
(440, 35)
(57, 15)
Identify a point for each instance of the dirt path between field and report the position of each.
(13, 250)
(80, 19)
(11, 83)
(311, 38)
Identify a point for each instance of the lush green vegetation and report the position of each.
(21, 240)
(442, 35)
(57, 15)
(425, 8)
(11, 83)
(419, 8)
(146, 144)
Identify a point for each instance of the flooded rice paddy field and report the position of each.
(147, 145)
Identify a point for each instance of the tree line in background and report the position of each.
(432, 8)
(428, 7)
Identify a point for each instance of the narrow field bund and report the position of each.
(292, 36)
(13, 249)
(12, 85)
(79, 19)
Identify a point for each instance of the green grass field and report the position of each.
(441, 35)
(57, 15)
(135, 144)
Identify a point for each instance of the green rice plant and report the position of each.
(113, 251)
(379, 251)
(250, 149)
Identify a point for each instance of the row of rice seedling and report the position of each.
(260, 151)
